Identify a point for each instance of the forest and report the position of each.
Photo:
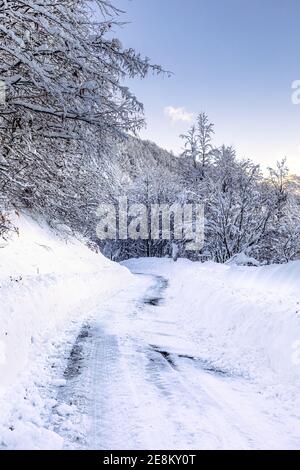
(69, 141)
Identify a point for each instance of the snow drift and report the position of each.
(245, 320)
(46, 280)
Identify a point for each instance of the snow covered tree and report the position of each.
(281, 242)
(191, 149)
(237, 209)
(198, 143)
(63, 74)
(205, 132)
(278, 178)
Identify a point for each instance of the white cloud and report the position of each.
(178, 114)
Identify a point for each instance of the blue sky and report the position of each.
(233, 59)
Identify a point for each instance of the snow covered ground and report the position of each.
(49, 284)
(232, 336)
(179, 355)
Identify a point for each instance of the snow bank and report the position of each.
(245, 320)
(281, 279)
(45, 282)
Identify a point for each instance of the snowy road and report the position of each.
(136, 380)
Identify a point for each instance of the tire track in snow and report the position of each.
(129, 395)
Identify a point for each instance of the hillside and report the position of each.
(94, 356)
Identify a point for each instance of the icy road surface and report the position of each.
(135, 379)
